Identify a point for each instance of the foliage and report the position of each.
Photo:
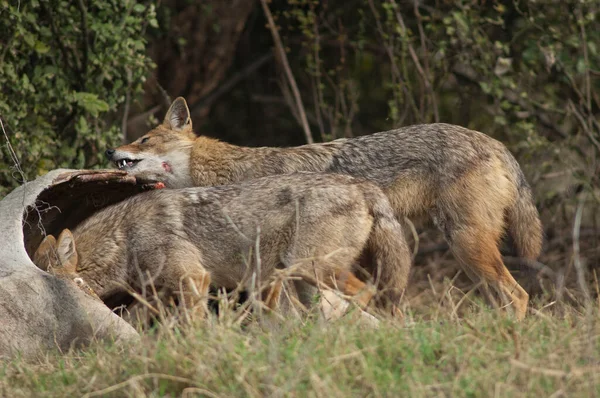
(65, 69)
(523, 71)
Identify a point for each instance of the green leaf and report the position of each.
(581, 66)
(461, 22)
(29, 39)
(90, 102)
(41, 48)
(485, 87)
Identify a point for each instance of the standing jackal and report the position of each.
(311, 226)
(467, 182)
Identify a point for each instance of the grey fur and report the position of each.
(322, 221)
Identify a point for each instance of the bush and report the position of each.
(524, 72)
(65, 69)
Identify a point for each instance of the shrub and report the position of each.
(65, 70)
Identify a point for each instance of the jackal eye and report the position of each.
(144, 140)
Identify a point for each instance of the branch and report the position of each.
(588, 96)
(467, 73)
(15, 159)
(165, 96)
(576, 257)
(533, 264)
(316, 87)
(57, 36)
(127, 104)
(86, 44)
(426, 57)
(415, 59)
(584, 125)
(390, 51)
(207, 100)
(288, 71)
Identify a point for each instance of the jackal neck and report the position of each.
(213, 162)
(180, 164)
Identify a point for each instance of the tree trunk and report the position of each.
(192, 59)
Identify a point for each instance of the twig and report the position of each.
(144, 115)
(466, 72)
(533, 369)
(576, 257)
(577, 372)
(86, 45)
(426, 57)
(288, 98)
(164, 94)
(438, 247)
(415, 58)
(7, 46)
(133, 379)
(57, 36)
(146, 18)
(392, 58)
(127, 104)
(284, 61)
(588, 92)
(415, 235)
(584, 125)
(317, 91)
(317, 105)
(191, 391)
(536, 265)
(13, 155)
(231, 83)
(258, 268)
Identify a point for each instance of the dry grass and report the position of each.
(449, 344)
(442, 348)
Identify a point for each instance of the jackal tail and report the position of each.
(388, 250)
(525, 226)
(523, 218)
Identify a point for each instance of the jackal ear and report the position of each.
(67, 253)
(178, 116)
(45, 255)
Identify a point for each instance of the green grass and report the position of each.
(483, 353)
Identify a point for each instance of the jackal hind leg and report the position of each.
(186, 277)
(347, 283)
(475, 246)
(272, 294)
(330, 273)
(193, 293)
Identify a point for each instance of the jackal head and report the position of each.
(59, 258)
(162, 154)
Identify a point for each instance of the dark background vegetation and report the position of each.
(79, 76)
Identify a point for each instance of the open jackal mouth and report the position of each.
(126, 163)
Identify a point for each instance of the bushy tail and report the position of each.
(523, 218)
(389, 255)
(525, 225)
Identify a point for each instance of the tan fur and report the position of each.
(306, 225)
(467, 182)
(53, 256)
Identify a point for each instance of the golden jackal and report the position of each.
(467, 182)
(310, 225)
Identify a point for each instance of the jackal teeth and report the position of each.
(121, 164)
(126, 163)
